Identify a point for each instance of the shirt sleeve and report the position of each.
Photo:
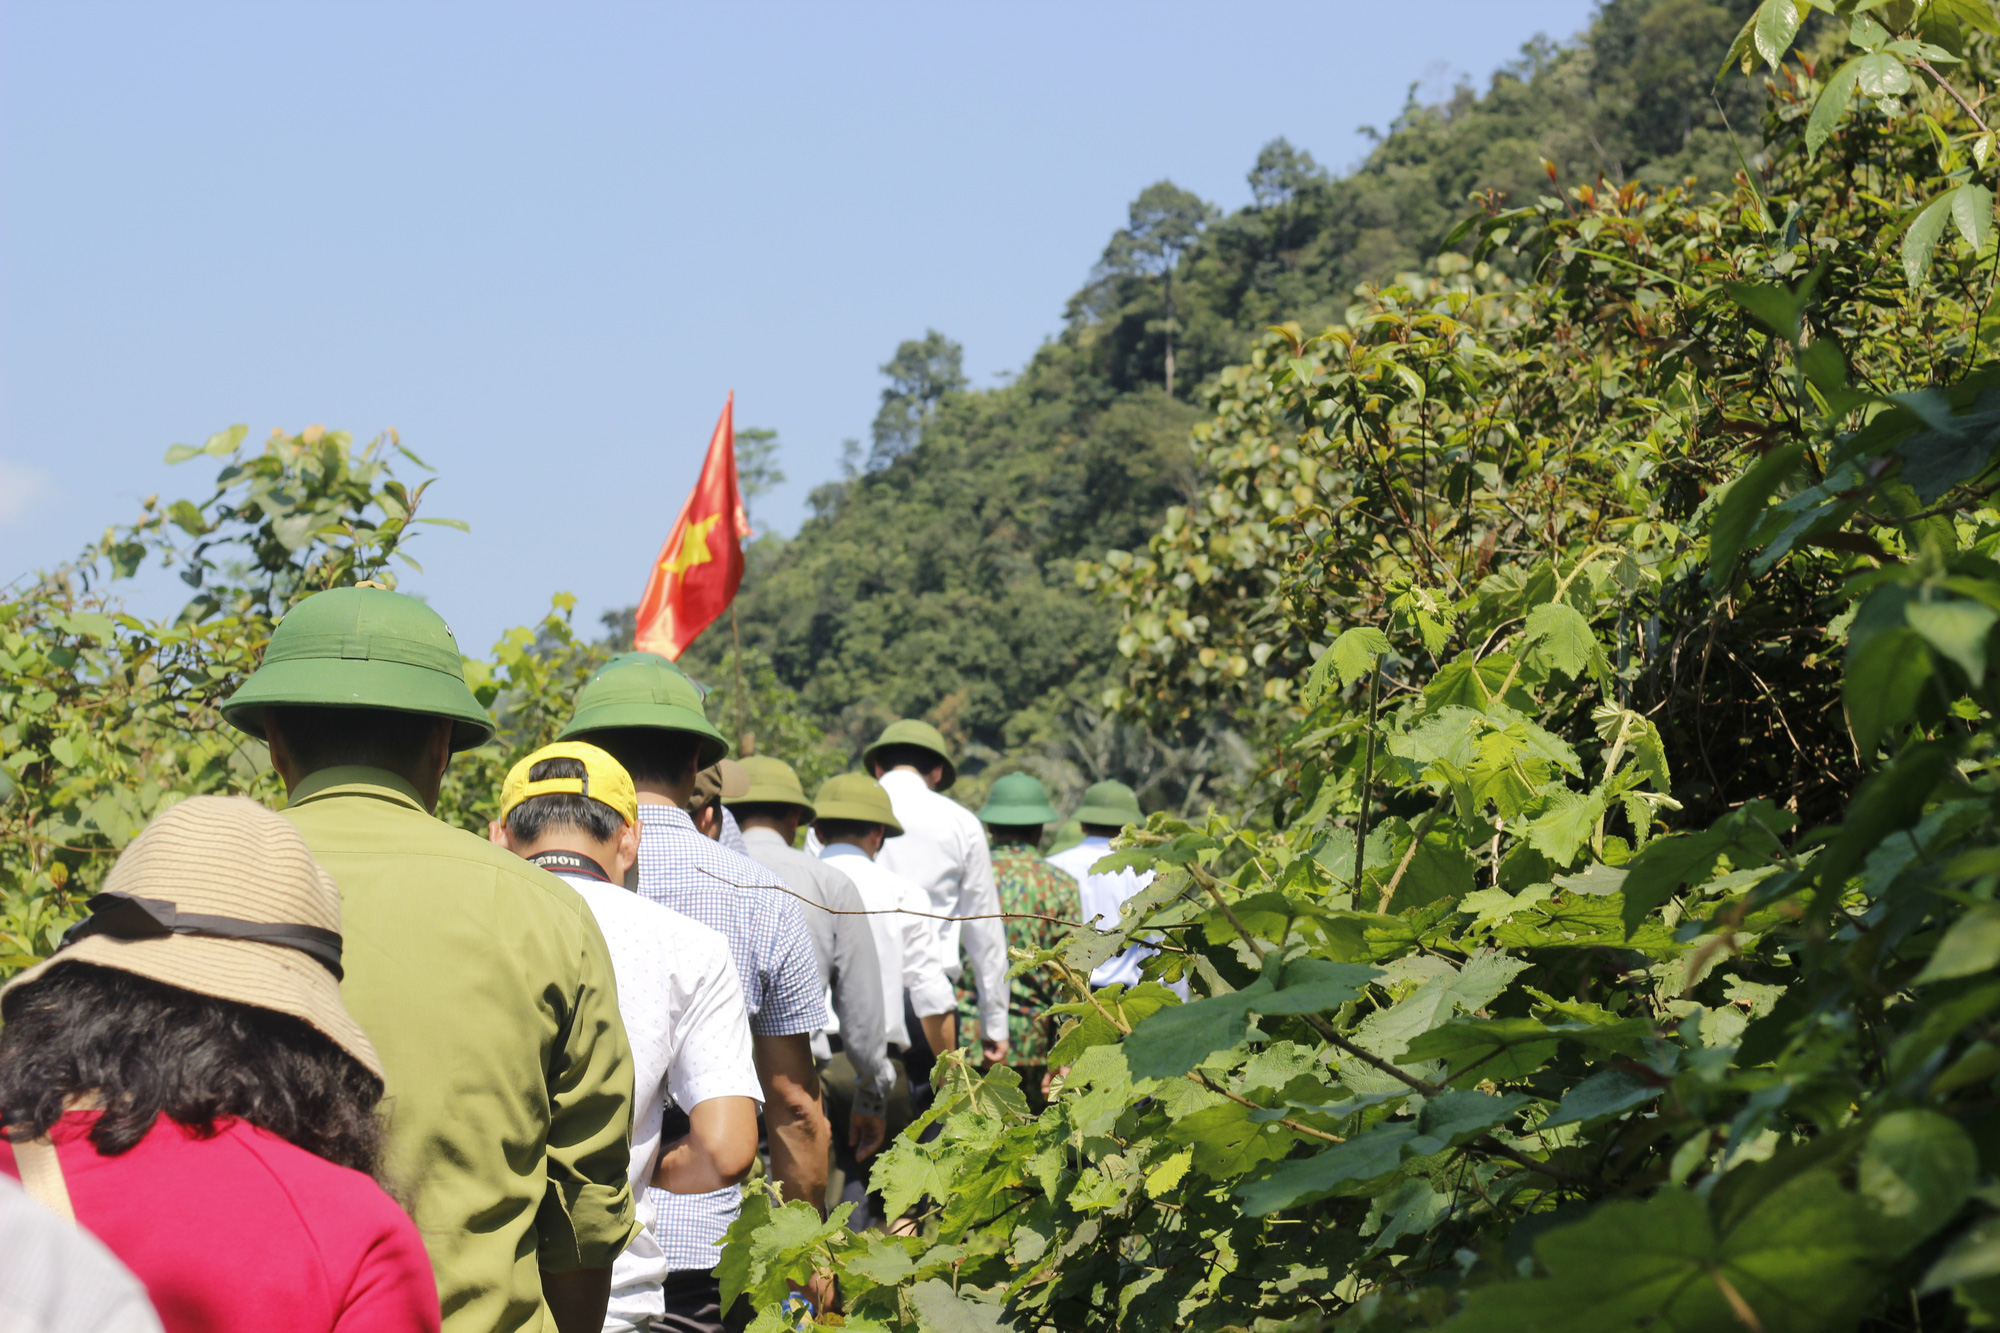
(857, 997)
(587, 1214)
(712, 1055)
(923, 961)
(793, 1000)
(985, 940)
(392, 1290)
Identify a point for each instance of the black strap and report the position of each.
(126, 916)
(570, 863)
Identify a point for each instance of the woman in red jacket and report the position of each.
(182, 1081)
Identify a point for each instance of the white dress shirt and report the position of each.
(682, 1005)
(1102, 896)
(908, 948)
(943, 852)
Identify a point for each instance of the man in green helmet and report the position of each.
(1037, 898)
(1107, 808)
(943, 851)
(482, 980)
(648, 715)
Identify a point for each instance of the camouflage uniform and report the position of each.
(1029, 884)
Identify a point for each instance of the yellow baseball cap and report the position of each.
(604, 779)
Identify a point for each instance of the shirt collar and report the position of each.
(832, 850)
(761, 835)
(904, 778)
(358, 780)
(658, 815)
(1094, 840)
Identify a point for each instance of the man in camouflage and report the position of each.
(1031, 892)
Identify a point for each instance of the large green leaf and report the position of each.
(1832, 104)
(1803, 1261)
(1179, 1037)
(1500, 1049)
(1917, 1168)
(1301, 1180)
(1604, 1094)
(1743, 506)
(1971, 946)
(1921, 238)
(1885, 678)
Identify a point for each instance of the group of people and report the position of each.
(350, 1067)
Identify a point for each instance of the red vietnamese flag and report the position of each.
(701, 566)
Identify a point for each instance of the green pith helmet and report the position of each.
(1018, 799)
(643, 690)
(912, 731)
(858, 797)
(1110, 803)
(362, 648)
(1067, 836)
(772, 782)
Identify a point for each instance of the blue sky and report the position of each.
(544, 241)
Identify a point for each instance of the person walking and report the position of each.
(1037, 898)
(769, 808)
(647, 715)
(943, 851)
(182, 1081)
(853, 819)
(570, 809)
(482, 981)
(1107, 808)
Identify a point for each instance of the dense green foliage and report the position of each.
(1617, 945)
(937, 578)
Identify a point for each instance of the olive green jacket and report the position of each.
(486, 988)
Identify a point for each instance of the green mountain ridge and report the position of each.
(938, 579)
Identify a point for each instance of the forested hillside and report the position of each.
(938, 577)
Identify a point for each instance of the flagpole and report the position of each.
(736, 641)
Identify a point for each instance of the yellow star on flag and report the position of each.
(693, 548)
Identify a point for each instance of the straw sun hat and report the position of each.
(219, 896)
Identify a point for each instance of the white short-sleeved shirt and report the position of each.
(1102, 896)
(907, 946)
(943, 851)
(682, 1005)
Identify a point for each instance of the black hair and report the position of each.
(831, 830)
(918, 757)
(320, 738)
(142, 1049)
(1028, 833)
(1103, 830)
(649, 754)
(778, 810)
(540, 815)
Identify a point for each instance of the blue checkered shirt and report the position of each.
(774, 958)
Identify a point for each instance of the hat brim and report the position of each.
(860, 814)
(263, 976)
(1109, 816)
(950, 769)
(769, 796)
(1018, 815)
(656, 717)
(395, 687)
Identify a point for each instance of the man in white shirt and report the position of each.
(853, 820)
(1107, 808)
(571, 809)
(943, 851)
(770, 807)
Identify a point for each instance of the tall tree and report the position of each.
(1163, 222)
(921, 373)
(1281, 171)
(757, 470)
